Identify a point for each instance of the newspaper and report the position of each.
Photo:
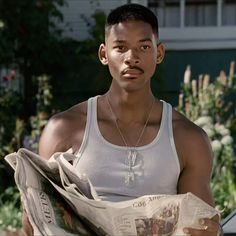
(60, 201)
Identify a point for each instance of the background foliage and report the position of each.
(29, 46)
(30, 39)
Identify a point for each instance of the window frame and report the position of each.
(185, 37)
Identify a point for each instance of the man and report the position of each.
(128, 142)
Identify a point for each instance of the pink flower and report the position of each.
(12, 75)
(5, 78)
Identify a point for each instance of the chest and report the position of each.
(132, 134)
(114, 170)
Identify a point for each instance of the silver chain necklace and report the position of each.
(132, 152)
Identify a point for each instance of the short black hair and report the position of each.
(130, 12)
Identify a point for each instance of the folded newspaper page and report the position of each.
(60, 201)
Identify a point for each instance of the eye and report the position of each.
(145, 47)
(120, 48)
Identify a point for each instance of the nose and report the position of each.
(132, 57)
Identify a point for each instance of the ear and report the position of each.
(102, 54)
(160, 52)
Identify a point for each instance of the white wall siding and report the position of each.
(75, 10)
(194, 38)
(197, 25)
(142, 2)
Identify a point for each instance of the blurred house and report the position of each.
(201, 33)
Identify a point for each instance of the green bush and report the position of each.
(31, 40)
(43, 111)
(10, 125)
(210, 105)
(17, 136)
(10, 214)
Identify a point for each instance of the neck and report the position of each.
(130, 107)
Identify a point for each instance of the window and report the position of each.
(196, 24)
(200, 13)
(194, 13)
(229, 12)
(167, 11)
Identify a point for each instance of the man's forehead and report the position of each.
(123, 30)
(129, 27)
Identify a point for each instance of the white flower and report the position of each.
(1, 24)
(203, 120)
(221, 129)
(187, 75)
(216, 145)
(226, 140)
(204, 111)
(208, 129)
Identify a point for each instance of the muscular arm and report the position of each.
(196, 155)
(196, 158)
(63, 131)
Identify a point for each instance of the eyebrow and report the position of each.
(119, 41)
(145, 39)
(141, 40)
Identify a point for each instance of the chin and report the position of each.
(130, 88)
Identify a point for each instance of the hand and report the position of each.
(210, 227)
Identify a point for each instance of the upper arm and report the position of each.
(64, 130)
(54, 138)
(196, 154)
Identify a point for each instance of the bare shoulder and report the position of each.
(63, 130)
(186, 133)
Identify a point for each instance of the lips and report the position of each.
(132, 72)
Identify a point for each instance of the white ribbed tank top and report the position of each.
(156, 168)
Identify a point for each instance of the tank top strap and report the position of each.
(169, 120)
(91, 105)
(164, 121)
(170, 131)
(93, 111)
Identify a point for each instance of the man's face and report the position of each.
(131, 53)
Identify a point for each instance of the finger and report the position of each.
(215, 218)
(209, 224)
(197, 232)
